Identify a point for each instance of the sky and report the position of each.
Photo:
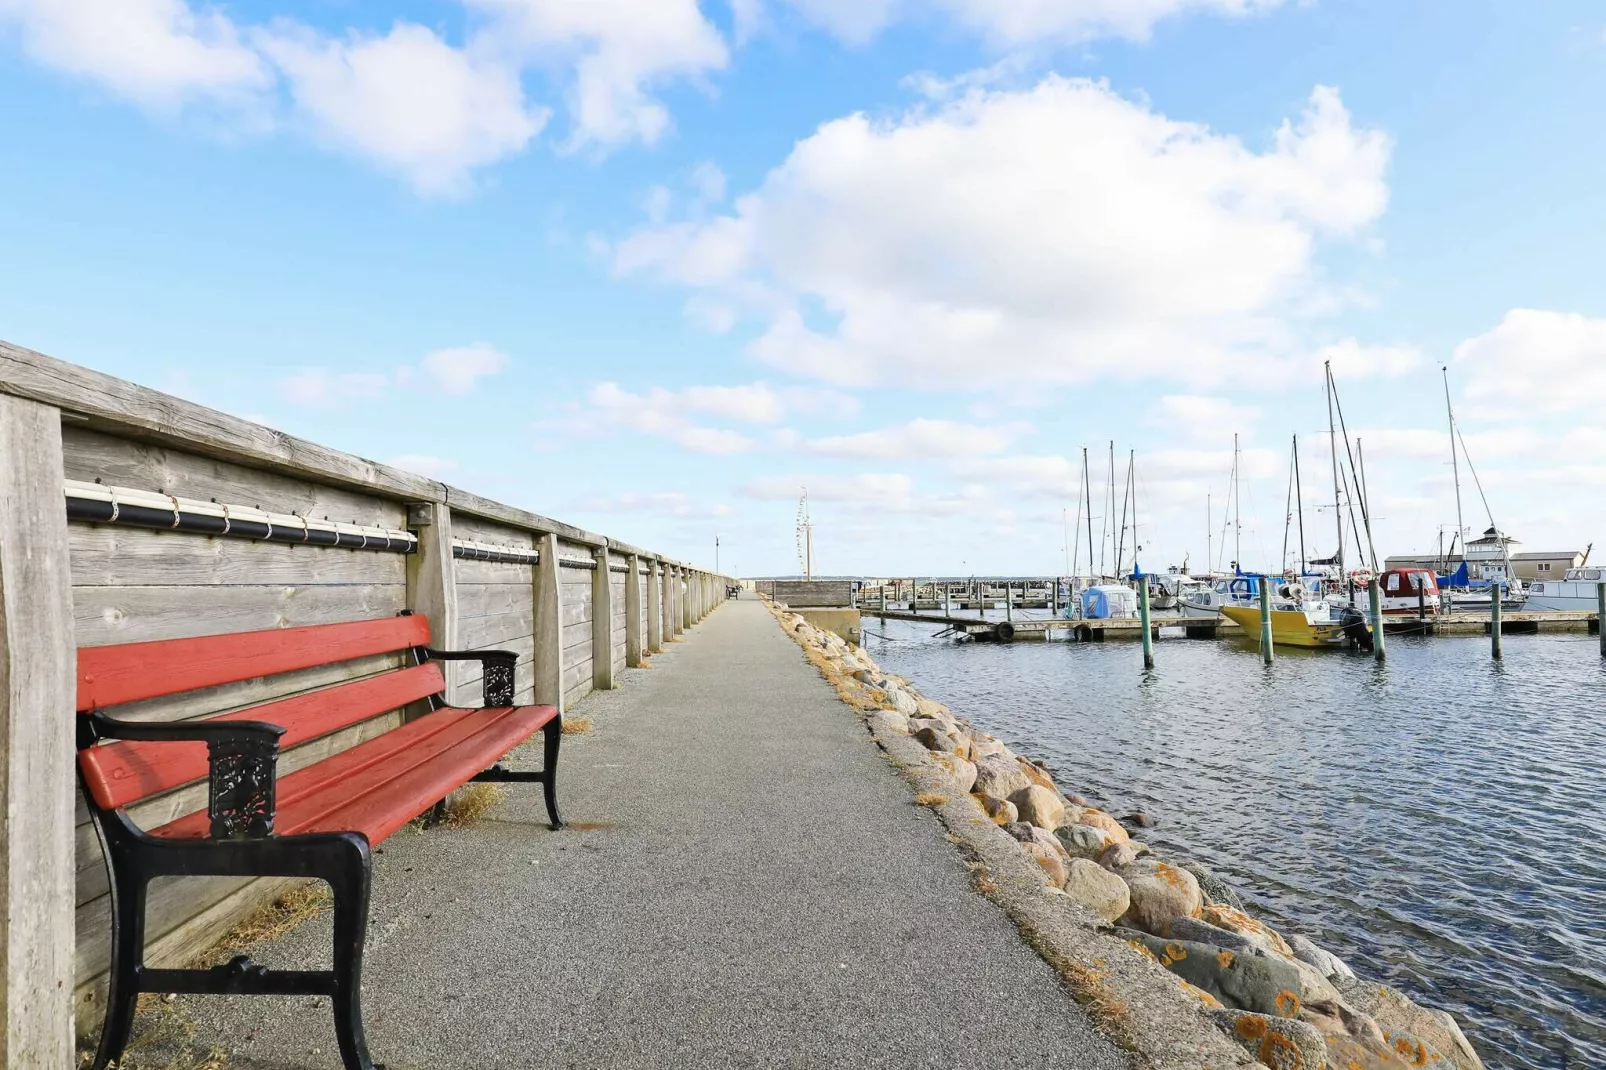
(651, 267)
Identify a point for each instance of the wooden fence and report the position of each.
(576, 606)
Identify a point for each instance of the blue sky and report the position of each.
(651, 266)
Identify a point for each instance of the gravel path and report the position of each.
(746, 883)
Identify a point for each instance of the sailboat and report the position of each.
(1485, 562)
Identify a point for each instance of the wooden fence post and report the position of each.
(633, 612)
(548, 625)
(655, 608)
(432, 582)
(38, 669)
(679, 590)
(601, 622)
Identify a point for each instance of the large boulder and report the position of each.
(1037, 774)
(901, 700)
(1396, 1014)
(1258, 933)
(1028, 833)
(1281, 1043)
(986, 747)
(1096, 888)
(961, 772)
(936, 739)
(1052, 861)
(1160, 893)
(1212, 887)
(1000, 777)
(1083, 841)
(1040, 807)
(1256, 983)
(1117, 856)
(927, 708)
(1202, 932)
(1322, 961)
(1100, 819)
(889, 722)
(1000, 811)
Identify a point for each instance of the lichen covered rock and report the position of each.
(1083, 841)
(999, 776)
(1096, 888)
(1160, 894)
(961, 772)
(1280, 1043)
(1001, 811)
(1040, 807)
(1258, 983)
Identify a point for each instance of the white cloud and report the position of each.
(459, 369)
(1057, 234)
(454, 371)
(662, 503)
(668, 413)
(320, 386)
(1009, 23)
(431, 111)
(407, 100)
(425, 465)
(1204, 418)
(919, 439)
(1535, 362)
(1352, 360)
(159, 53)
(618, 50)
(865, 487)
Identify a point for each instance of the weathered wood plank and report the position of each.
(480, 529)
(492, 633)
(37, 685)
(548, 656)
(602, 592)
(470, 572)
(105, 615)
(116, 405)
(123, 462)
(106, 556)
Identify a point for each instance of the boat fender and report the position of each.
(1005, 631)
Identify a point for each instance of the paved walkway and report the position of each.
(746, 884)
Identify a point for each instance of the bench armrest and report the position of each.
(242, 764)
(498, 665)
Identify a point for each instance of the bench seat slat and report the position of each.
(121, 773)
(377, 787)
(129, 672)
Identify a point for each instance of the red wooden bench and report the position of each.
(319, 821)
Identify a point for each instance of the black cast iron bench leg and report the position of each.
(341, 860)
(547, 777)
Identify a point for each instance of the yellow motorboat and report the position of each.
(1299, 627)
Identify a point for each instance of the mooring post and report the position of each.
(1143, 619)
(1600, 615)
(1266, 653)
(947, 599)
(1495, 597)
(1374, 593)
(1009, 600)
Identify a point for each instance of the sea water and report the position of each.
(1439, 821)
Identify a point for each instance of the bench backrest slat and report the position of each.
(111, 675)
(124, 772)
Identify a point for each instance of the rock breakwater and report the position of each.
(1163, 951)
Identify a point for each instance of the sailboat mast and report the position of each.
(1288, 512)
(1332, 440)
(1366, 508)
(1126, 495)
(1087, 489)
(1132, 483)
(1299, 504)
(1455, 463)
(1237, 512)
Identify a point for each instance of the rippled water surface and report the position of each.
(1439, 822)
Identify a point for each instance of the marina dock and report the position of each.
(1098, 631)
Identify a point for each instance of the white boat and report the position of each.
(1574, 591)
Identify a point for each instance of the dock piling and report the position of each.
(1600, 615)
(1374, 594)
(1143, 619)
(1009, 600)
(1266, 653)
(1496, 596)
